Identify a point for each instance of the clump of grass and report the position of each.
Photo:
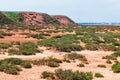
(99, 75)
(73, 56)
(51, 62)
(12, 65)
(101, 66)
(68, 74)
(26, 64)
(81, 65)
(109, 62)
(46, 74)
(116, 67)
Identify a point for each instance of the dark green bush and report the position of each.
(14, 61)
(28, 48)
(66, 43)
(99, 75)
(116, 67)
(70, 75)
(4, 45)
(10, 68)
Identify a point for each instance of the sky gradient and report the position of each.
(77, 10)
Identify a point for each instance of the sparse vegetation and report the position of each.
(73, 56)
(99, 75)
(66, 43)
(116, 67)
(28, 48)
(81, 65)
(101, 66)
(26, 64)
(68, 74)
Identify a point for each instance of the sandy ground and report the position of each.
(94, 58)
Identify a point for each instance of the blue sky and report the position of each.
(78, 10)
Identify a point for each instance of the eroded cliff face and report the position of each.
(64, 20)
(34, 18)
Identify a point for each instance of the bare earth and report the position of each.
(94, 58)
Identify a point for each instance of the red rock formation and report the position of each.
(33, 18)
(64, 20)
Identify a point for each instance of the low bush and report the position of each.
(66, 43)
(99, 75)
(66, 60)
(116, 67)
(28, 48)
(4, 45)
(110, 57)
(51, 62)
(12, 65)
(13, 52)
(69, 75)
(116, 54)
(101, 65)
(73, 56)
(14, 61)
(10, 69)
(46, 74)
(108, 61)
(40, 62)
(81, 65)
(26, 64)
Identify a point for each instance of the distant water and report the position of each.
(99, 23)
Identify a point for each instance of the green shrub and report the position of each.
(28, 48)
(116, 67)
(50, 59)
(66, 60)
(10, 68)
(116, 54)
(46, 74)
(52, 64)
(26, 64)
(81, 65)
(13, 52)
(66, 43)
(101, 65)
(98, 75)
(40, 62)
(110, 57)
(4, 45)
(70, 75)
(14, 61)
(73, 56)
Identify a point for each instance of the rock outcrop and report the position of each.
(64, 20)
